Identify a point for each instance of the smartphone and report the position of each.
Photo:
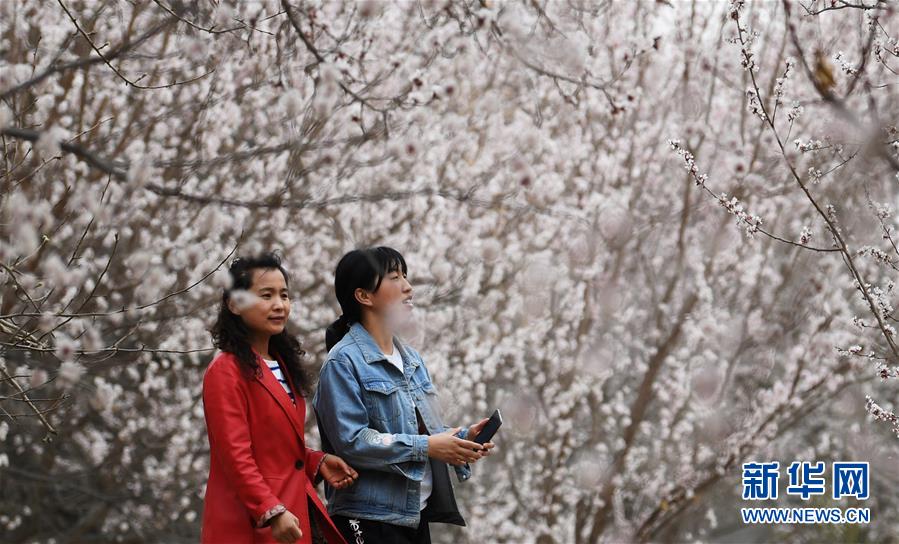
(490, 428)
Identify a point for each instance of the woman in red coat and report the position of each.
(262, 476)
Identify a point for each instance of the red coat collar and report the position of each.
(271, 383)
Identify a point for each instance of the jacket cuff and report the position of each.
(414, 469)
(317, 474)
(313, 464)
(463, 433)
(267, 516)
(420, 447)
(463, 473)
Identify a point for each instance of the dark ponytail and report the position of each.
(336, 331)
(360, 268)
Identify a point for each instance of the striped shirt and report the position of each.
(276, 370)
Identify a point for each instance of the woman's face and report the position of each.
(393, 299)
(266, 304)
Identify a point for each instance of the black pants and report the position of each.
(315, 524)
(366, 531)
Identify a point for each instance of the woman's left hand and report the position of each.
(473, 433)
(337, 473)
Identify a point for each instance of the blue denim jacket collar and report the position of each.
(371, 352)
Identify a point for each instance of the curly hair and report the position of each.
(230, 333)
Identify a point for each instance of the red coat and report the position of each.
(258, 455)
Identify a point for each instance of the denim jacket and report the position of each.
(366, 413)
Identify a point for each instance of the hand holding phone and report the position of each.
(490, 428)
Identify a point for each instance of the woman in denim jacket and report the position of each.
(376, 408)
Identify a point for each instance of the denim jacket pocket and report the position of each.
(383, 401)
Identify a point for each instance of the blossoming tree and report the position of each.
(657, 235)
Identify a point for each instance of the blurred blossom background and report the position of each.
(658, 235)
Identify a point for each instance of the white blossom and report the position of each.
(56, 272)
(243, 299)
(49, 141)
(6, 118)
(565, 266)
(292, 103)
(38, 378)
(69, 373)
(140, 172)
(66, 348)
(221, 279)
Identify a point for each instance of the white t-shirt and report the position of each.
(395, 358)
(426, 482)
